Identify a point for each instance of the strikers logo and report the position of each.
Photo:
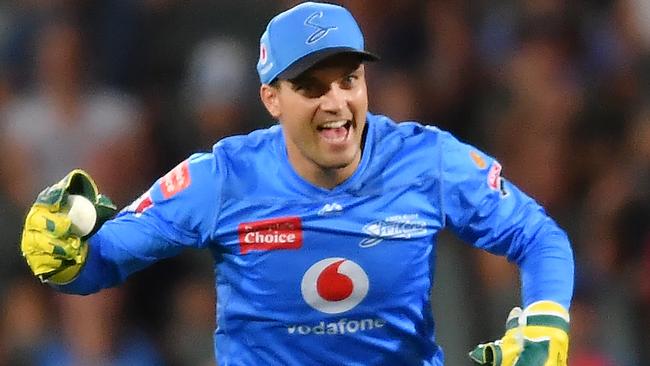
(334, 285)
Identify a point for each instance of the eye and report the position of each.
(309, 89)
(297, 87)
(349, 81)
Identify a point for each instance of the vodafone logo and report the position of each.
(334, 285)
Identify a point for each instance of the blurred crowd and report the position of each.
(558, 91)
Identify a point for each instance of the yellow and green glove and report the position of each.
(535, 336)
(52, 252)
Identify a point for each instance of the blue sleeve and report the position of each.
(179, 211)
(485, 209)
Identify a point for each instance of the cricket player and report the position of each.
(323, 227)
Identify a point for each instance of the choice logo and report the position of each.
(271, 234)
(334, 285)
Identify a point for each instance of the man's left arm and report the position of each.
(518, 228)
(485, 209)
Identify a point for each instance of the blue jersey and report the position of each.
(342, 276)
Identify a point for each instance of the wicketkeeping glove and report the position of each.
(52, 252)
(535, 336)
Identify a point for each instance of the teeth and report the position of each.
(334, 124)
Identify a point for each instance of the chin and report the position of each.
(335, 164)
(338, 166)
(335, 159)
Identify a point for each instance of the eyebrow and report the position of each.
(305, 78)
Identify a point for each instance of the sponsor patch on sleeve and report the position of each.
(495, 181)
(270, 234)
(176, 180)
(494, 176)
(140, 205)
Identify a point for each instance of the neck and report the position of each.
(332, 177)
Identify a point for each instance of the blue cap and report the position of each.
(298, 38)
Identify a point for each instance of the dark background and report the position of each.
(558, 91)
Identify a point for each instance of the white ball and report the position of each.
(82, 214)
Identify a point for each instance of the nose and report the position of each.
(334, 100)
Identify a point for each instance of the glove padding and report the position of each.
(52, 252)
(536, 336)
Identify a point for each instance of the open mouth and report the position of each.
(336, 131)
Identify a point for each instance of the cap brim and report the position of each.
(305, 63)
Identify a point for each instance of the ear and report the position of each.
(269, 96)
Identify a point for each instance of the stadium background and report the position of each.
(558, 91)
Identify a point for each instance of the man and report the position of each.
(323, 228)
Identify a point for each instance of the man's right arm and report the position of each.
(175, 213)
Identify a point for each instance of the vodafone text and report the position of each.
(342, 326)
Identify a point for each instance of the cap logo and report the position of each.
(321, 30)
(265, 64)
(263, 55)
